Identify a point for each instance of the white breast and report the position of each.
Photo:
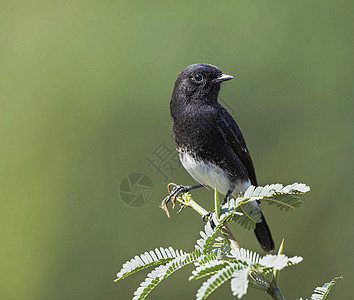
(211, 175)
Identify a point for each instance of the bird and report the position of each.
(209, 142)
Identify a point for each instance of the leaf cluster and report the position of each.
(213, 256)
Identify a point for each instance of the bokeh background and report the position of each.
(84, 91)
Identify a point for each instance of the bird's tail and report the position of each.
(264, 236)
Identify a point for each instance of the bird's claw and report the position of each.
(174, 193)
(182, 207)
(208, 217)
(227, 197)
(172, 196)
(177, 189)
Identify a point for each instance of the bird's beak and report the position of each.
(223, 77)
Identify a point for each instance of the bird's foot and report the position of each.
(174, 194)
(208, 217)
(177, 190)
(227, 197)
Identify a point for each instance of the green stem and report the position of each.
(275, 292)
(199, 209)
(264, 285)
(187, 200)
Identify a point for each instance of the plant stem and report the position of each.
(263, 284)
(199, 209)
(275, 292)
(225, 230)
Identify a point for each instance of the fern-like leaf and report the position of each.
(207, 236)
(321, 293)
(162, 272)
(249, 217)
(219, 242)
(209, 269)
(215, 281)
(209, 233)
(245, 256)
(150, 282)
(266, 263)
(239, 282)
(259, 192)
(278, 262)
(205, 258)
(148, 259)
(284, 197)
(223, 251)
(284, 201)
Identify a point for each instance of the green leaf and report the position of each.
(264, 264)
(150, 282)
(259, 192)
(209, 233)
(215, 281)
(207, 237)
(278, 262)
(321, 293)
(205, 258)
(209, 269)
(250, 216)
(222, 247)
(247, 215)
(284, 201)
(162, 272)
(148, 259)
(245, 256)
(239, 282)
(285, 197)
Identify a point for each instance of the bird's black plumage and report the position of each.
(209, 142)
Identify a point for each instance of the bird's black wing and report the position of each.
(233, 137)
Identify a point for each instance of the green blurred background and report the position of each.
(84, 91)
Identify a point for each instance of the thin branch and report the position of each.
(225, 230)
(275, 293)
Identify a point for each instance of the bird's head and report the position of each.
(198, 83)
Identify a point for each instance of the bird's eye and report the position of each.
(198, 77)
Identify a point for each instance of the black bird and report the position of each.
(210, 144)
